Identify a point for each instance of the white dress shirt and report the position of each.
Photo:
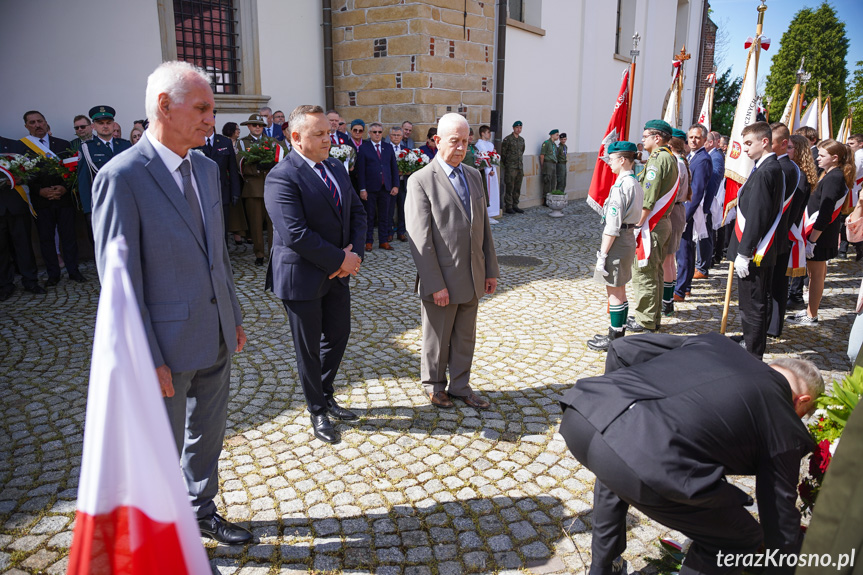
(317, 172)
(172, 161)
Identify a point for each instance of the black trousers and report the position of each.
(726, 526)
(753, 294)
(720, 246)
(15, 232)
(778, 297)
(320, 328)
(378, 211)
(61, 219)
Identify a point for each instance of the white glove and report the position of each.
(741, 265)
(810, 250)
(600, 263)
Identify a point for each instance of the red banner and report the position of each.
(603, 177)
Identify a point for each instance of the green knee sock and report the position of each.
(618, 315)
(668, 292)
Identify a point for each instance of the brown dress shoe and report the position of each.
(403, 238)
(678, 298)
(475, 401)
(440, 399)
(386, 246)
(699, 276)
(369, 247)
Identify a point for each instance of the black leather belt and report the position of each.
(627, 226)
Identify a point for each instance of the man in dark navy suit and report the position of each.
(378, 178)
(271, 130)
(51, 196)
(319, 226)
(220, 149)
(700, 168)
(704, 246)
(337, 138)
(16, 223)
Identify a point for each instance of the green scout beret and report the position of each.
(660, 125)
(517, 123)
(621, 147)
(553, 132)
(97, 112)
(254, 119)
(680, 134)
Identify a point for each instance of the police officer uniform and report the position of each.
(93, 156)
(657, 179)
(561, 163)
(548, 152)
(512, 159)
(620, 214)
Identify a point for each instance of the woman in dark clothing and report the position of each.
(821, 222)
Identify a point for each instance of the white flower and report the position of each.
(425, 159)
(833, 446)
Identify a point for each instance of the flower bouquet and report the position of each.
(54, 170)
(410, 161)
(345, 154)
(487, 159)
(259, 153)
(15, 169)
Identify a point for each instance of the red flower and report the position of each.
(266, 148)
(65, 176)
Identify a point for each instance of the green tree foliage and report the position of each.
(725, 102)
(855, 98)
(819, 35)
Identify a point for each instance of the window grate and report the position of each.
(207, 37)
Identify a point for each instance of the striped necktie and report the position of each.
(333, 189)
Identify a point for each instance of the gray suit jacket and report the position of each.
(184, 283)
(449, 250)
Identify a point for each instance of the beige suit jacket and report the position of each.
(449, 249)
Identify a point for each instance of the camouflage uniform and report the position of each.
(512, 161)
(549, 166)
(561, 167)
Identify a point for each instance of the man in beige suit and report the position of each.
(452, 247)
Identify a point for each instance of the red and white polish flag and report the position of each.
(134, 515)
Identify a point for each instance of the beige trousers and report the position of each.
(449, 338)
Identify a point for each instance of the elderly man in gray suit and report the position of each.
(165, 198)
(452, 247)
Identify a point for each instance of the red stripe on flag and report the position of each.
(603, 177)
(125, 541)
(731, 189)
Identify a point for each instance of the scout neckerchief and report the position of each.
(767, 241)
(660, 208)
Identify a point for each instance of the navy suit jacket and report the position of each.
(717, 159)
(701, 168)
(9, 199)
(277, 132)
(310, 233)
(222, 152)
(371, 170)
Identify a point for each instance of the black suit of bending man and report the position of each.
(664, 443)
(221, 150)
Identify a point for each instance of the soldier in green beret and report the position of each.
(659, 182)
(561, 163)
(620, 213)
(512, 160)
(548, 163)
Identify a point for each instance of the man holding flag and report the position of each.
(165, 198)
(660, 183)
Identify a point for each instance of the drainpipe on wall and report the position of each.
(500, 59)
(329, 86)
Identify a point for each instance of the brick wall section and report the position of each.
(708, 43)
(414, 60)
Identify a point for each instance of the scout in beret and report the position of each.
(548, 163)
(620, 215)
(512, 162)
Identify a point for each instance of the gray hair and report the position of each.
(173, 78)
(376, 124)
(298, 117)
(450, 122)
(267, 108)
(395, 129)
(702, 127)
(805, 371)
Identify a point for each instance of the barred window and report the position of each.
(516, 10)
(207, 36)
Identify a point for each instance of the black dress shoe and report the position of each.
(36, 288)
(509, 211)
(518, 210)
(340, 412)
(635, 327)
(323, 429)
(217, 527)
(259, 261)
(78, 277)
(52, 281)
(6, 292)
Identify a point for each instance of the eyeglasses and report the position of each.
(376, 132)
(85, 126)
(357, 130)
(343, 123)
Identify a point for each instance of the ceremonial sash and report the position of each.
(642, 240)
(797, 257)
(22, 190)
(809, 220)
(281, 154)
(767, 241)
(29, 143)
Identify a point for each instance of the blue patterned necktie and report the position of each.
(460, 184)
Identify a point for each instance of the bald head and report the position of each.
(452, 138)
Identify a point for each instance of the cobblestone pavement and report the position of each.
(411, 489)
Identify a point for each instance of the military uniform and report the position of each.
(657, 179)
(470, 160)
(512, 161)
(253, 193)
(549, 165)
(561, 165)
(94, 154)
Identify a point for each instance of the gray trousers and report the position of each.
(449, 338)
(197, 413)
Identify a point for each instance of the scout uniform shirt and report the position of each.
(658, 177)
(512, 152)
(624, 204)
(549, 151)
